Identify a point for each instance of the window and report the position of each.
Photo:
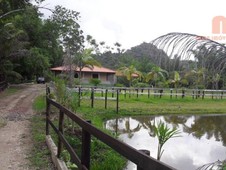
(95, 76)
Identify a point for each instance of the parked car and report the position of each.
(41, 80)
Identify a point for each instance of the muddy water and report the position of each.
(202, 141)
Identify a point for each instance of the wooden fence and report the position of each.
(142, 161)
(156, 92)
(117, 93)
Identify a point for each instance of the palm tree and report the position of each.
(164, 133)
(176, 79)
(129, 72)
(156, 74)
(85, 59)
(197, 77)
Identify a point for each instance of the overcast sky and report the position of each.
(131, 22)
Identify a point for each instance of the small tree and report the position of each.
(176, 79)
(128, 72)
(156, 74)
(164, 133)
(95, 82)
(85, 59)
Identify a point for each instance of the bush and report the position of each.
(141, 85)
(76, 81)
(119, 85)
(94, 82)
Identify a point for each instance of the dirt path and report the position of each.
(15, 141)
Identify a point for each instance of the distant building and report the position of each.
(107, 76)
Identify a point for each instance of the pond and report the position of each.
(202, 139)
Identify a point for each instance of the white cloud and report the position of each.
(131, 22)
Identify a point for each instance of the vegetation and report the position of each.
(32, 45)
(154, 105)
(163, 133)
(94, 81)
(59, 40)
(85, 59)
(40, 154)
(2, 122)
(73, 133)
(129, 72)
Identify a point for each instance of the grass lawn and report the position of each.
(158, 106)
(127, 107)
(40, 155)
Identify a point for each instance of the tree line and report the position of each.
(30, 45)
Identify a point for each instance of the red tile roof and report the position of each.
(85, 69)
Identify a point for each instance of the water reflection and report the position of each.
(203, 138)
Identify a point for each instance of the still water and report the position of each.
(202, 139)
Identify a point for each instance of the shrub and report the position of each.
(141, 85)
(94, 81)
(119, 85)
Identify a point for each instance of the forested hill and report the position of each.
(143, 57)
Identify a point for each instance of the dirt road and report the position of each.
(15, 140)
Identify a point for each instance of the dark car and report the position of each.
(41, 80)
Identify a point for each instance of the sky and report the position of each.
(131, 22)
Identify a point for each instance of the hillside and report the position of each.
(143, 57)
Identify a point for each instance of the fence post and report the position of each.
(86, 141)
(193, 94)
(146, 152)
(125, 93)
(117, 101)
(137, 92)
(47, 110)
(92, 97)
(102, 93)
(113, 90)
(160, 93)
(203, 94)
(171, 93)
(148, 93)
(222, 93)
(61, 124)
(79, 96)
(106, 98)
(183, 93)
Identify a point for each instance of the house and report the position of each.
(107, 76)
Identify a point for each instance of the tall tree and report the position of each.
(85, 59)
(70, 35)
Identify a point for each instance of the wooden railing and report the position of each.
(143, 161)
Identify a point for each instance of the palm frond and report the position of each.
(164, 133)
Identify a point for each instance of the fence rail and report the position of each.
(115, 94)
(156, 92)
(142, 161)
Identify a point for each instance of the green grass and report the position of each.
(40, 155)
(2, 122)
(102, 156)
(9, 91)
(158, 106)
(39, 104)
